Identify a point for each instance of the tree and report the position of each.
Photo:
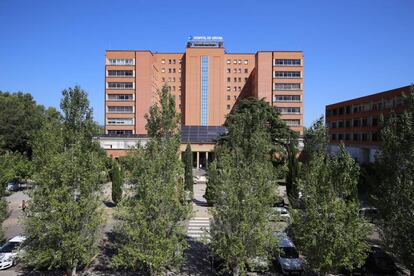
(243, 181)
(116, 179)
(315, 138)
(293, 169)
(328, 229)
(63, 220)
(188, 176)
(395, 191)
(20, 120)
(149, 236)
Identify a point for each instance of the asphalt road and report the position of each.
(11, 225)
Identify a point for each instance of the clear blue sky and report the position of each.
(352, 47)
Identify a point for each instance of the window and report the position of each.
(174, 69)
(364, 137)
(235, 97)
(228, 107)
(163, 61)
(120, 109)
(246, 61)
(288, 110)
(169, 70)
(228, 88)
(364, 122)
(173, 88)
(239, 88)
(120, 85)
(235, 88)
(246, 70)
(286, 98)
(348, 123)
(347, 137)
(333, 137)
(286, 86)
(169, 61)
(121, 61)
(239, 79)
(333, 124)
(286, 62)
(356, 123)
(179, 70)
(239, 61)
(340, 136)
(235, 79)
(173, 79)
(204, 90)
(228, 70)
(163, 70)
(348, 109)
(173, 61)
(119, 132)
(163, 79)
(228, 97)
(340, 124)
(286, 74)
(228, 61)
(292, 122)
(341, 111)
(235, 70)
(374, 121)
(120, 73)
(180, 61)
(120, 97)
(374, 136)
(235, 61)
(239, 70)
(120, 121)
(228, 79)
(356, 137)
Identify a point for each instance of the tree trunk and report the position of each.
(71, 271)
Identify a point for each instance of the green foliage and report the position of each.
(149, 236)
(20, 119)
(117, 182)
(315, 138)
(188, 174)
(329, 230)
(395, 168)
(64, 217)
(293, 169)
(14, 166)
(242, 183)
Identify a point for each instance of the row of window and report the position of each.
(371, 106)
(236, 79)
(360, 122)
(120, 85)
(286, 62)
(371, 136)
(121, 61)
(120, 109)
(120, 97)
(120, 73)
(239, 61)
(287, 74)
(170, 79)
(288, 110)
(171, 61)
(119, 132)
(286, 98)
(286, 86)
(292, 122)
(238, 70)
(235, 88)
(170, 70)
(229, 97)
(120, 121)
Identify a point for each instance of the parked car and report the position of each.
(12, 186)
(10, 251)
(279, 214)
(287, 259)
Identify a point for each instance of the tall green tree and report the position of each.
(292, 175)
(328, 229)
(395, 192)
(64, 216)
(243, 180)
(20, 119)
(315, 138)
(188, 174)
(117, 182)
(150, 237)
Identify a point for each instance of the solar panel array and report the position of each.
(201, 134)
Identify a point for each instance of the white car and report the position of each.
(9, 252)
(280, 214)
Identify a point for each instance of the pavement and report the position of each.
(11, 225)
